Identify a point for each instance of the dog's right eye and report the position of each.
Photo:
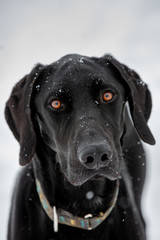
(56, 104)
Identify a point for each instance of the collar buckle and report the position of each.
(88, 216)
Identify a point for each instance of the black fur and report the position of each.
(83, 146)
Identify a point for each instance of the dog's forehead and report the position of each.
(79, 71)
(75, 67)
(76, 74)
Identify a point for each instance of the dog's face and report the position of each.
(79, 109)
(77, 105)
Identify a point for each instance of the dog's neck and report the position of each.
(92, 197)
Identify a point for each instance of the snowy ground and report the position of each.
(44, 30)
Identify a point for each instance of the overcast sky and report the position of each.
(44, 30)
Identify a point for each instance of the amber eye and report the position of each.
(56, 104)
(107, 96)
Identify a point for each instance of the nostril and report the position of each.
(90, 159)
(104, 157)
(94, 156)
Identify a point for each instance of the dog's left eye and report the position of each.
(56, 104)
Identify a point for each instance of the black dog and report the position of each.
(85, 161)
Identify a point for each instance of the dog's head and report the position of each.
(78, 105)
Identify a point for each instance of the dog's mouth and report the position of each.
(78, 179)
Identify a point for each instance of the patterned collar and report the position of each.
(88, 222)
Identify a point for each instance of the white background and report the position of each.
(34, 31)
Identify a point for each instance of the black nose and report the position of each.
(95, 156)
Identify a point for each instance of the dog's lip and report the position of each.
(95, 176)
(107, 172)
(106, 175)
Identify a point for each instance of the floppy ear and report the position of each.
(18, 115)
(139, 100)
